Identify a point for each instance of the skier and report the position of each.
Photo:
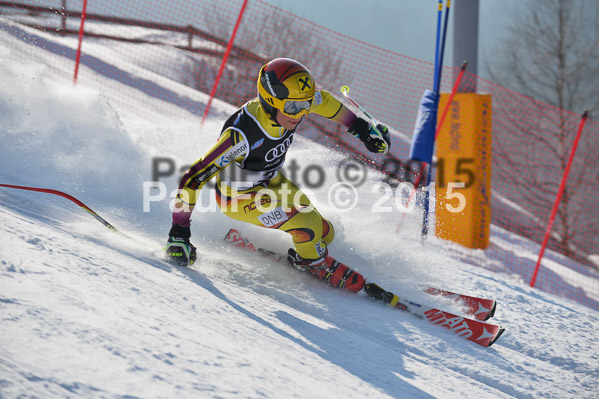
(256, 139)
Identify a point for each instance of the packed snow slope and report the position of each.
(88, 313)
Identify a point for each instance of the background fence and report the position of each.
(531, 140)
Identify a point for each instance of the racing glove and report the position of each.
(375, 138)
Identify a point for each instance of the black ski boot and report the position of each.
(179, 250)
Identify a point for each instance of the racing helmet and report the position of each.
(285, 85)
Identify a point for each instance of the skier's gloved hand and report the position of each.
(375, 138)
(178, 248)
(379, 139)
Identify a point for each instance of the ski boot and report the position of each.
(179, 250)
(376, 292)
(328, 269)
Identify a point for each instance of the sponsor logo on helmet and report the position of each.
(269, 86)
(257, 144)
(304, 83)
(279, 150)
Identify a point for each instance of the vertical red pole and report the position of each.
(558, 198)
(450, 99)
(223, 62)
(78, 56)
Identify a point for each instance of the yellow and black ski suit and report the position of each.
(253, 142)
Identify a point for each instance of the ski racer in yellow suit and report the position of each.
(255, 139)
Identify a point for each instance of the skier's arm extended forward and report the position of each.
(325, 104)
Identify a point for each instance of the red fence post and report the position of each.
(224, 62)
(78, 56)
(558, 198)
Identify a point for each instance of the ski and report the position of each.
(235, 239)
(475, 330)
(479, 332)
(479, 308)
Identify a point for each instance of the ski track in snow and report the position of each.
(82, 311)
(86, 313)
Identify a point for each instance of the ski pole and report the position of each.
(345, 92)
(436, 89)
(69, 197)
(379, 135)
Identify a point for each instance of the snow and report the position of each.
(88, 313)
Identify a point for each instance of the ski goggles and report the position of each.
(294, 107)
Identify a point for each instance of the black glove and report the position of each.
(375, 138)
(179, 250)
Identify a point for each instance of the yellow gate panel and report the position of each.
(463, 179)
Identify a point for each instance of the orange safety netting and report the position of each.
(531, 140)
